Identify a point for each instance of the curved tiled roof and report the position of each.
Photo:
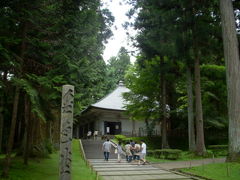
(114, 100)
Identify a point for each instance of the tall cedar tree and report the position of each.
(231, 55)
(43, 45)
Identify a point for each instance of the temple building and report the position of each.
(108, 118)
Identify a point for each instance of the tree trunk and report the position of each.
(134, 133)
(1, 123)
(191, 127)
(12, 133)
(1, 111)
(231, 55)
(15, 105)
(200, 144)
(27, 129)
(164, 112)
(33, 131)
(149, 132)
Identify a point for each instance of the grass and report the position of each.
(218, 171)
(185, 156)
(47, 169)
(79, 169)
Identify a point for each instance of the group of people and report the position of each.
(89, 134)
(132, 151)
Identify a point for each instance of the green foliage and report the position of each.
(179, 31)
(33, 95)
(41, 150)
(64, 40)
(117, 67)
(151, 152)
(143, 99)
(223, 146)
(219, 150)
(120, 138)
(214, 97)
(167, 153)
(44, 45)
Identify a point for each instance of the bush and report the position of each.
(120, 138)
(150, 152)
(208, 154)
(43, 150)
(171, 153)
(219, 150)
(166, 153)
(218, 146)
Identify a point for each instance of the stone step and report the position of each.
(93, 149)
(125, 169)
(120, 166)
(147, 177)
(112, 170)
(113, 163)
(102, 160)
(125, 173)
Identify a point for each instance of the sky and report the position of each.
(119, 38)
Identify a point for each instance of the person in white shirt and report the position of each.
(95, 134)
(143, 152)
(89, 134)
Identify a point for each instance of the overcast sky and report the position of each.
(119, 38)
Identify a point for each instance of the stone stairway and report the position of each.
(93, 149)
(112, 170)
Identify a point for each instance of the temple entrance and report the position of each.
(112, 128)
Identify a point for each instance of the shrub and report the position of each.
(168, 153)
(43, 150)
(219, 150)
(120, 138)
(218, 146)
(150, 152)
(208, 154)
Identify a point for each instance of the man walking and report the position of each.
(106, 149)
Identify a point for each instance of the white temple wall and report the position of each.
(126, 124)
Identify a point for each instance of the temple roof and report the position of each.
(114, 100)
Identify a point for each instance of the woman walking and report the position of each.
(119, 151)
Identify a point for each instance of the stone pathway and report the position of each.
(112, 170)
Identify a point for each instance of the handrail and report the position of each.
(115, 146)
(82, 150)
(113, 143)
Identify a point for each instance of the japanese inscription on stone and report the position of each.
(66, 132)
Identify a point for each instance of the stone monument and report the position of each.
(66, 132)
